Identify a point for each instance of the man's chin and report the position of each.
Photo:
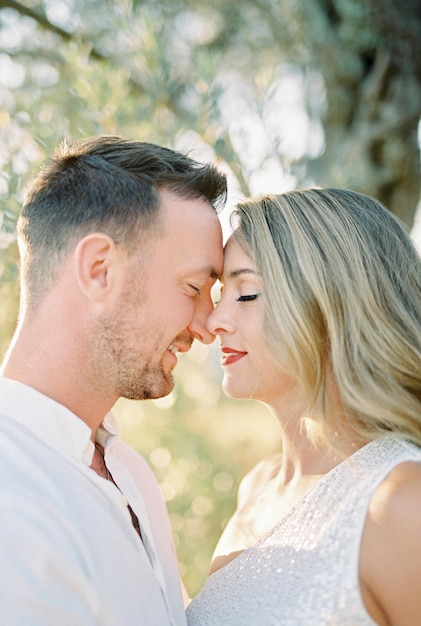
(151, 392)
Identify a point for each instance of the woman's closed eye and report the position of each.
(248, 298)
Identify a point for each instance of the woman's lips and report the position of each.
(231, 355)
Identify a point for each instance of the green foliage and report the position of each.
(9, 293)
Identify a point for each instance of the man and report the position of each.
(120, 245)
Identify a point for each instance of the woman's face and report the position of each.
(250, 369)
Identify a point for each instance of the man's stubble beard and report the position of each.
(122, 369)
(124, 365)
(153, 383)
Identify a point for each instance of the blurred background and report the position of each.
(281, 94)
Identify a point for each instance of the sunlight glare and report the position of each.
(167, 402)
(12, 74)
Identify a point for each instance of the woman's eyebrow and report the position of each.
(239, 272)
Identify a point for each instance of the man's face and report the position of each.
(164, 302)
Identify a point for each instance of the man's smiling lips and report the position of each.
(174, 350)
(182, 346)
(230, 355)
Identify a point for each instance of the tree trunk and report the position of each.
(371, 54)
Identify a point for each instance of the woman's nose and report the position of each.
(219, 321)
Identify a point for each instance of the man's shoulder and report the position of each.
(128, 453)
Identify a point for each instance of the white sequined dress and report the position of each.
(304, 571)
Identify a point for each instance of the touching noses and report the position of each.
(198, 327)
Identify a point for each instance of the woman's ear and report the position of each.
(96, 259)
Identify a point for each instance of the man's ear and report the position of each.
(96, 259)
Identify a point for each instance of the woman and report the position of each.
(320, 319)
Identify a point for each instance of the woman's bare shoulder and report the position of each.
(258, 477)
(390, 567)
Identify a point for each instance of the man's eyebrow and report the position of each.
(207, 270)
(213, 273)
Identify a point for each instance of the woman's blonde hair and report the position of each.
(342, 291)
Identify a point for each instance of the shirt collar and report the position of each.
(52, 422)
(107, 433)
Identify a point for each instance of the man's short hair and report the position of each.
(105, 184)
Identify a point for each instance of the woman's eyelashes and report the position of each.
(248, 298)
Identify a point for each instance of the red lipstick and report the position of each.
(231, 355)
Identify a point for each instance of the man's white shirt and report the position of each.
(70, 555)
